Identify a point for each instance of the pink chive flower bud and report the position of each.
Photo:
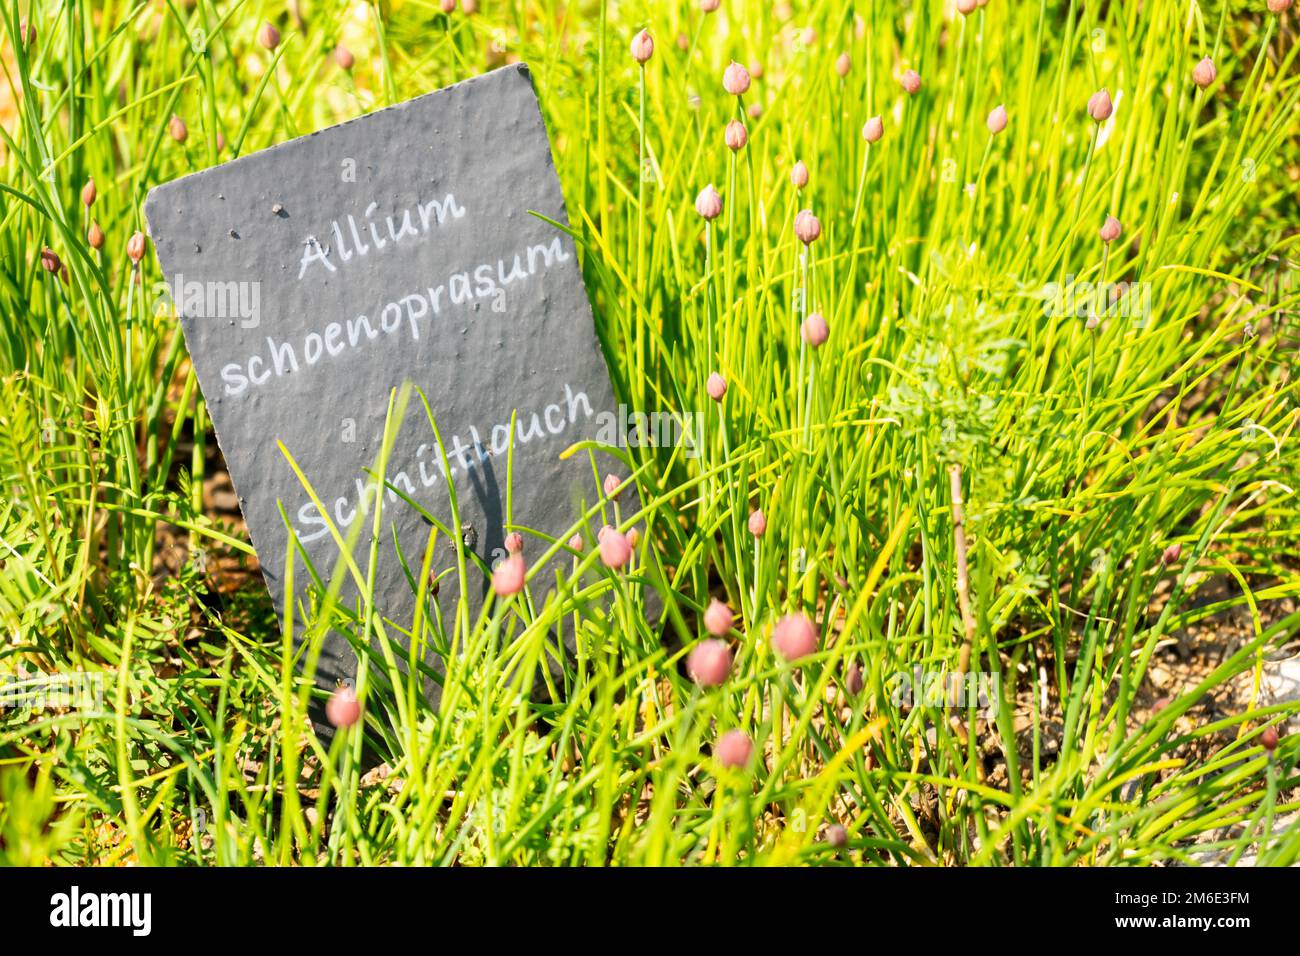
(343, 709)
(755, 110)
(611, 486)
(718, 618)
(807, 227)
(343, 57)
(1203, 73)
(633, 537)
(757, 524)
(615, 549)
(643, 46)
(716, 386)
(709, 663)
(179, 131)
(1100, 106)
(268, 36)
(997, 120)
(1279, 6)
(514, 543)
(708, 203)
(733, 749)
(508, 577)
(469, 6)
(576, 543)
(736, 136)
(836, 836)
(843, 64)
(1171, 554)
(799, 175)
(447, 6)
(735, 79)
(26, 33)
(1268, 739)
(708, 6)
(911, 81)
(89, 193)
(95, 236)
(1111, 229)
(794, 637)
(853, 682)
(873, 129)
(135, 246)
(815, 331)
(966, 7)
(50, 261)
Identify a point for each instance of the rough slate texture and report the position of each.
(477, 359)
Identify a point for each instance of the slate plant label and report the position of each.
(316, 276)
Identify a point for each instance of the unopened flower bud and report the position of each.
(50, 261)
(135, 246)
(343, 709)
(794, 637)
(514, 543)
(997, 120)
(611, 486)
(643, 46)
(873, 129)
(95, 236)
(1203, 73)
(716, 386)
(179, 131)
(853, 682)
(799, 175)
(736, 135)
(735, 79)
(615, 549)
(843, 64)
(911, 81)
(89, 193)
(1100, 106)
(508, 577)
(343, 57)
(708, 203)
(815, 331)
(807, 227)
(757, 524)
(1111, 229)
(733, 749)
(718, 618)
(709, 663)
(268, 36)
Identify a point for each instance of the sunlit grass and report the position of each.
(957, 376)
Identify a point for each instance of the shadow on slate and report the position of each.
(314, 277)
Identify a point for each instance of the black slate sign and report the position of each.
(315, 277)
